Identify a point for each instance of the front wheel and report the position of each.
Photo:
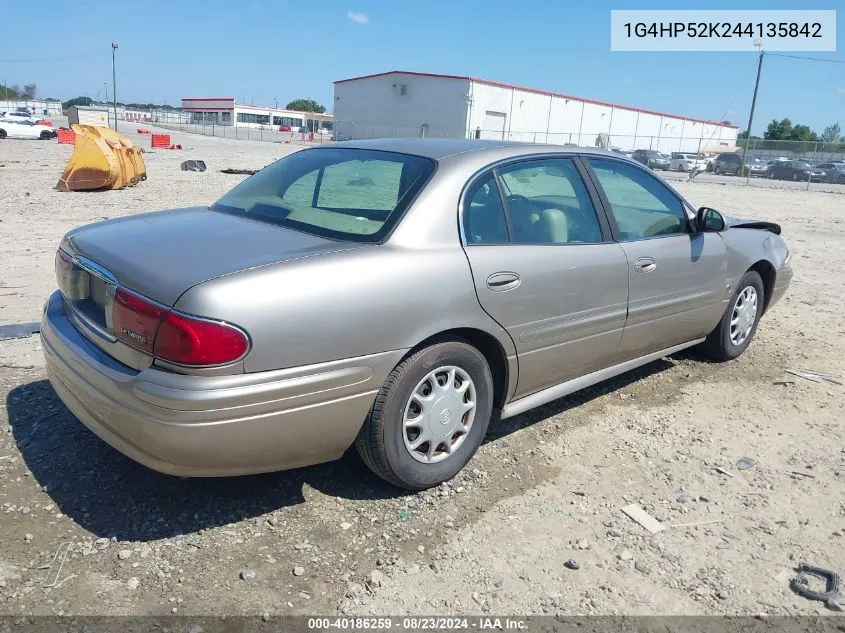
(45, 136)
(2, 134)
(430, 416)
(739, 323)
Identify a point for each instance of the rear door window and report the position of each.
(548, 203)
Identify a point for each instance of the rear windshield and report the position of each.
(346, 194)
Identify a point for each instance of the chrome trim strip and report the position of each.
(576, 384)
(95, 269)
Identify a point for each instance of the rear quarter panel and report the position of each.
(345, 305)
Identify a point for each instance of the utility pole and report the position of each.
(759, 44)
(114, 83)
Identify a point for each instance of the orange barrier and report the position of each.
(66, 136)
(160, 140)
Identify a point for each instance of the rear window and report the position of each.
(346, 194)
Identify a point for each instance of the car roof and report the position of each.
(439, 149)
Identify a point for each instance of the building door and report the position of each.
(494, 125)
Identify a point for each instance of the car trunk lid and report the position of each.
(161, 255)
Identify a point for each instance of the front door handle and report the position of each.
(645, 264)
(499, 282)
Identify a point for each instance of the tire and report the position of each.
(681, 167)
(716, 170)
(382, 441)
(45, 136)
(795, 177)
(722, 344)
(2, 134)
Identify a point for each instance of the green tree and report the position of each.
(803, 133)
(778, 130)
(13, 92)
(832, 133)
(305, 105)
(29, 91)
(83, 101)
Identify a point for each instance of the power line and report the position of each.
(48, 59)
(812, 59)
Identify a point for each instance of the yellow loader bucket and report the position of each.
(101, 159)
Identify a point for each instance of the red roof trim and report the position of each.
(542, 92)
(208, 98)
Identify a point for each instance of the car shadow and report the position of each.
(110, 495)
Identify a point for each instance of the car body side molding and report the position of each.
(576, 384)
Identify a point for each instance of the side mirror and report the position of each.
(709, 220)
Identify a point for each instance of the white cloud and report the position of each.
(360, 18)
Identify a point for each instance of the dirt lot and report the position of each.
(545, 488)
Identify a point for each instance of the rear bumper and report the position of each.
(206, 426)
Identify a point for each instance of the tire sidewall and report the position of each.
(417, 474)
(754, 280)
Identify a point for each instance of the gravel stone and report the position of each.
(246, 574)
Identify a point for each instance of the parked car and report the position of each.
(24, 128)
(651, 158)
(833, 172)
(394, 294)
(20, 115)
(685, 162)
(795, 170)
(729, 163)
(756, 167)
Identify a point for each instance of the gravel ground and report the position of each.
(545, 489)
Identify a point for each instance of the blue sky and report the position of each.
(262, 50)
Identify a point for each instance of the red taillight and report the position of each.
(172, 336)
(188, 341)
(135, 320)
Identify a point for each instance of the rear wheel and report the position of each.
(2, 134)
(716, 169)
(739, 323)
(45, 136)
(429, 417)
(796, 176)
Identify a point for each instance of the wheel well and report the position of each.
(488, 346)
(767, 273)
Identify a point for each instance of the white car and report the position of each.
(20, 115)
(685, 162)
(24, 128)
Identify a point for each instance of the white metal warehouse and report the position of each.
(404, 104)
(227, 111)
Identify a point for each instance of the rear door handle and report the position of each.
(645, 264)
(499, 282)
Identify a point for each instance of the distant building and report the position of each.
(39, 107)
(227, 111)
(405, 104)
